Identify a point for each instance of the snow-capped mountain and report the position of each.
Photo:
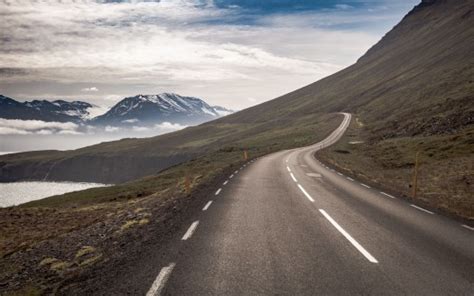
(154, 109)
(222, 111)
(58, 110)
(137, 111)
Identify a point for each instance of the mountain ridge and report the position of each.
(57, 110)
(168, 107)
(147, 110)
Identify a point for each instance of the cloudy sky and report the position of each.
(234, 53)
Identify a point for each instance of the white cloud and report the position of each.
(111, 129)
(343, 6)
(23, 127)
(96, 111)
(133, 120)
(113, 98)
(89, 89)
(44, 132)
(140, 129)
(223, 112)
(12, 131)
(139, 47)
(68, 132)
(168, 126)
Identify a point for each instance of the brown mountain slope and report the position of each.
(412, 91)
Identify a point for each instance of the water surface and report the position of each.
(16, 193)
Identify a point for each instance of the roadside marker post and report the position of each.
(187, 184)
(415, 175)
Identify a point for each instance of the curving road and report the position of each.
(285, 224)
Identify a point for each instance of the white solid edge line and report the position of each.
(218, 191)
(386, 194)
(468, 227)
(293, 177)
(366, 186)
(207, 205)
(288, 168)
(160, 281)
(225, 183)
(349, 237)
(421, 209)
(305, 193)
(350, 179)
(190, 231)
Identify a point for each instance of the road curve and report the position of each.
(285, 224)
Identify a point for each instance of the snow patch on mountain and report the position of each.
(221, 111)
(155, 109)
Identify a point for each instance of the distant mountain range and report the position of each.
(143, 110)
(152, 109)
(59, 110)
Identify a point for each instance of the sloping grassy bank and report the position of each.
(446, 165)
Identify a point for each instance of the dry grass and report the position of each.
(446, 171)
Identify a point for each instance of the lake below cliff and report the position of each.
(16, 193)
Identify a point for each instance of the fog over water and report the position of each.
(34, 142)
(20, 143)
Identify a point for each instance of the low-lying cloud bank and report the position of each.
(38, 127)
(25, 127)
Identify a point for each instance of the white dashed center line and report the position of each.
(350, 179)
(225, 183)
(218, 191)
(190, 231)
(340, 174)
(207, 205)
(421, 209)
(468, 227)
(305, 193)
(293, 177)
(231, 176)
(349, 237)
(160, 280)
(366, 186)
(386, 194)
(288, 168)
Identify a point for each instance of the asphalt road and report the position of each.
(285, 224)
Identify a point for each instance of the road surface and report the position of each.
(285, 224)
